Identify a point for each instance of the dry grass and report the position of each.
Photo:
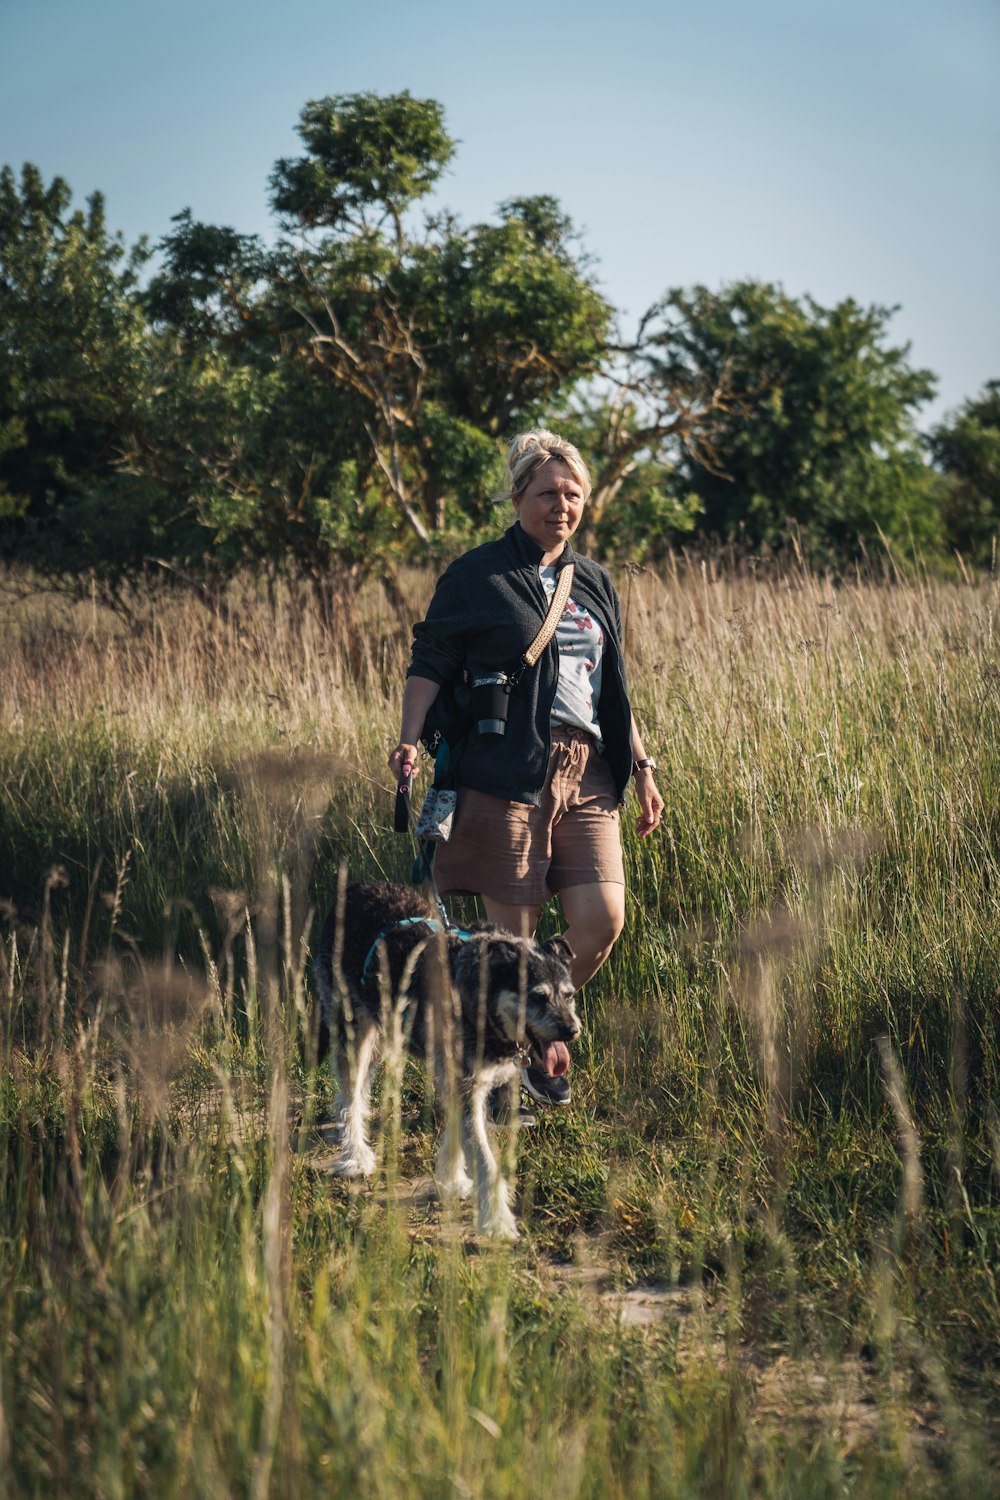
(761, 1248)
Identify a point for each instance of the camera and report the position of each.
(489, 704)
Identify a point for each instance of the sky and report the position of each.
(842, 148)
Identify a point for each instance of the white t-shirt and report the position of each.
(581, 646)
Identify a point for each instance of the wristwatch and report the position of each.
(646, 764)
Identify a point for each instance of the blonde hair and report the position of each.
(529, 450)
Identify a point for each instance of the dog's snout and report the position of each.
(572, 1026)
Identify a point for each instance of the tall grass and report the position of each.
(760, 1250)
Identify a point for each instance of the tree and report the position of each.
(340, 400)
(447, 335)
(369, 158)
(71, 364)
(633, 425)
(250, 449)
(395, 351)
(821, 439)
(966, 448)
(244, 451)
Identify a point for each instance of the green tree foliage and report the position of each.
(339, 400)
(966, 448)
(72, 354)
(635, 424)
(368, 158)
(447, 335)
(394, 351)
(821, 440)
(511, 315)
(207, 291)
(251, 451)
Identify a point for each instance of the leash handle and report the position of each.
(405, 821)
(402, 810)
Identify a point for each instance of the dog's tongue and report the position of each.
(556, 1059)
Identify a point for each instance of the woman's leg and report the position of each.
(595, 915)
(520, 920)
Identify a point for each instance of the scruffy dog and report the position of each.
(473, 1005)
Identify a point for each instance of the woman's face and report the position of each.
(550, 506)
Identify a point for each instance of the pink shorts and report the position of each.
(516, 853)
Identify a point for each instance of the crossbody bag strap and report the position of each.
(563, 585)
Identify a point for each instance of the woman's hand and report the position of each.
(650, 802)
(403, 758)
(418, 695)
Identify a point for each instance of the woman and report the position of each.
(537, 811)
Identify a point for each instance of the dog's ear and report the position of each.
(559, 948)
(500, 949)
(507, 950)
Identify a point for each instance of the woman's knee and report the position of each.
(603, 936)
(595, 915)
(616, 923)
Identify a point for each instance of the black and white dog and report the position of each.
(472, 1004)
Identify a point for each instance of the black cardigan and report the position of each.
(487, 608)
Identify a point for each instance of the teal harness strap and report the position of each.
(430, 923)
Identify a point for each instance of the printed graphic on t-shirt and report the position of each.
(580, 640)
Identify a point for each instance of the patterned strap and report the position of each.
(538, 645)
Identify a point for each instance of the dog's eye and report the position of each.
(541, 994)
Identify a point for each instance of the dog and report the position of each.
(474, 1004)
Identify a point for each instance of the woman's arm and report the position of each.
(418, 695)
(650, 801)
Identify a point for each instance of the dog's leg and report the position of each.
(357, 1159)
(453, 1181)
(492, 1191)
(324, 1029)
(338, 1115)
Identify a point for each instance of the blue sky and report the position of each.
(848, 149)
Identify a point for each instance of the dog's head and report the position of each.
(528, 993)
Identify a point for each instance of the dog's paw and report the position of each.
(359, 1165)
(502, 1226)
(460, 1185)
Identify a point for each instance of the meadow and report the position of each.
(759, 1252)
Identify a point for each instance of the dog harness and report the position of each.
(431, 923)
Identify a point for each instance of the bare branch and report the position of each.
(393, 474)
